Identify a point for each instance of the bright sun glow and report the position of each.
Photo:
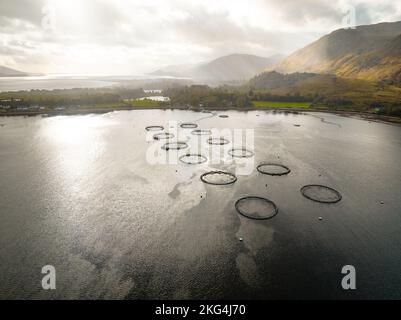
(137, 37)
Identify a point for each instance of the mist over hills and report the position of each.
(371, 52)
(228, 68)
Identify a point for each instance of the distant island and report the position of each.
(8, 72)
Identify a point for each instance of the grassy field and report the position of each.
(275, 104)
(146, 103)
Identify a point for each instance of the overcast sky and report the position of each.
(138, 36)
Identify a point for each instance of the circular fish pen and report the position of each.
(193, 159)
(200, 132)
(218, 178)
(241, 153)
(163, 136)
(175, 146)
(154, 128)
(256, 208)
(188, 125)
(273, 169)
(217, 141)
(321, 194)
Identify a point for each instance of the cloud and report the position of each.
(385, 11)
(28, 11)
(119, 36)
(302, 12)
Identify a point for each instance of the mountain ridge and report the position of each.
(371, 52)
(226, 68)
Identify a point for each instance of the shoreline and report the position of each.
(345, 113)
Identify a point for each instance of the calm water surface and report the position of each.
(78, 193)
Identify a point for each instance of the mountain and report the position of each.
(227, 68)
(274, 80)
(370, 52)
(8, 72)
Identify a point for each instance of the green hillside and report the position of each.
(328, 91)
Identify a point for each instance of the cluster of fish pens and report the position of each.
(252, 207)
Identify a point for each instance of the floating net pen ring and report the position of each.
(193, 158)
(218, 178)
(154, 128)
(175, 146)
(200, 132)
(188, 125)
(244, 153)
(163, 135)
(256, 208)
(321, 194)
(273, 169)
(217, 141)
